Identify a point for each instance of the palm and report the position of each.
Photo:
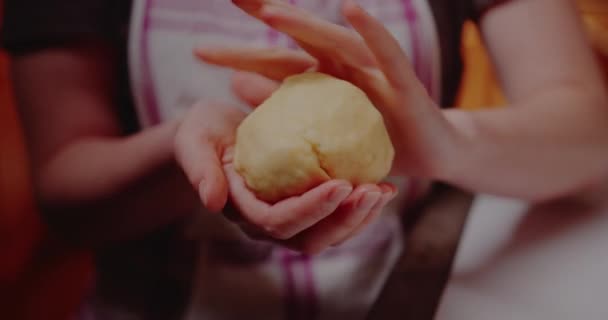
(325, 215)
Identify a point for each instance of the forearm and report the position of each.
(100, 190)
(549, 146)
(93, 167)
(92, 183)
(552, 140)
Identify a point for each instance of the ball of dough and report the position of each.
(312, 129)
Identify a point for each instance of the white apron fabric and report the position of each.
(238, 278)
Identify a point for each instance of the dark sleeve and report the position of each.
(450, 16)
(31, 25)
(35, 24)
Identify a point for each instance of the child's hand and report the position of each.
(205, 133)
(312, 221)
(372, 60)
(324, 216)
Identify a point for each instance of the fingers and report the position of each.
(253, 88)
(286, 218)
(389, 192)
(313, 32)
(322, 217)
(202, 166)
(321, 37)
(311, 207)
(351, 213)
(387, 51)
(273, 63)
(340, 51)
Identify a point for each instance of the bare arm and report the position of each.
(93, 183)
(552, 138)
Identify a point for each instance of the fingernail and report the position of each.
(369, 200)
(340, 193)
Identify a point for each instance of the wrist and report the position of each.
(153, 145)
(460, 151)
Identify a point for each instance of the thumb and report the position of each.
(202, 166)
(253, 88)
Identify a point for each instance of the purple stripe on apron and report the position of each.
(422, 66)
(291, 305)
(311, 302)
(148, 93)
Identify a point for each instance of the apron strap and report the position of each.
(433, 230)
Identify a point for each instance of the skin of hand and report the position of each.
(479, 151)
(324, 216)
(374, 62)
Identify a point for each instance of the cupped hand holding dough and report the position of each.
(312, 129)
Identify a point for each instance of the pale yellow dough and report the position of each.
(312, 129)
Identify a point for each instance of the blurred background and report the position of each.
(40, 279)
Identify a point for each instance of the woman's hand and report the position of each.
(324, 216)
(556, 119)
(371, 59)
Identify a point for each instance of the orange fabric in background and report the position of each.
(480, 88)
(16, 209)
(39, 278)
(595, 17)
